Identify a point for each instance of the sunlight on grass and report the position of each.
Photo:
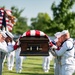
(32, 65)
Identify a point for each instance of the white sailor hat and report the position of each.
(3, 33)
(57, 35)
(9, 34)
(64, 32)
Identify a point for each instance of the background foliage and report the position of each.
(63, 18)
(21, 22)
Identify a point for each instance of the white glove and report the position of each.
(54, 47)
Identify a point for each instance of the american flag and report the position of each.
(8, 21)
(4, 21)
(34, 33)
(1, 16)
(9, 24)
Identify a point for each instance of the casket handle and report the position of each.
(37, 48)
(27, 48)
(30, 48)
(40, 48)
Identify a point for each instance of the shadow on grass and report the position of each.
(32, 64)
(31, 71)
(36, 73)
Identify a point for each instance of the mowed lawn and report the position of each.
(32, 65)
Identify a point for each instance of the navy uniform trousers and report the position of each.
(2, 56)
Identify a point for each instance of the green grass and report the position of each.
(31, 66)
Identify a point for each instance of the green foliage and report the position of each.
(21, 24)
(41, 22)
(63, 17)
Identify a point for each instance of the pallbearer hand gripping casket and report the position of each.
(34, 43)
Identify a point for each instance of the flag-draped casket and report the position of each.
(34, 43)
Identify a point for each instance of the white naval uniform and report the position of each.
(74, 50)
(10, 57)
(3, 50)
(19, 60)
(57, 65)
(2, 56)
(67, 57)
(46, 62)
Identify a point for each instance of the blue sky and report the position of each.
(32, 7)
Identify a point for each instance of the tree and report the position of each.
(63, 18)
(41, 22)
(21, 24)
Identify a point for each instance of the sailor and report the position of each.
(46, 62)
(10, 56)
(8, 48)
(2, 45)
(57, 65)
(74, 47)
(67, 53)
(19, 60)
(4, 48)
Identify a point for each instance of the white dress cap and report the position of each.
(9, 34)
(64, 32)
(57, 35)
(3, 33)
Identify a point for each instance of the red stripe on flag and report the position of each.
(28, 33)
(1, 8)
(9, 28)
(9, 25)
(0, 26)
(37, 33)
(7, 20)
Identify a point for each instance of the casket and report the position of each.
(34, 45)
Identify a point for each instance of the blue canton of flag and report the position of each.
(0, 13)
